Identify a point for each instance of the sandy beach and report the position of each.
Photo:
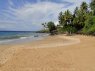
(54, 53)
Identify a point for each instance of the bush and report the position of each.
(70, 29)
(52, 28)
(60, 30)
(89, 27)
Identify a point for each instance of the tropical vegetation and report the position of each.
(81, 21)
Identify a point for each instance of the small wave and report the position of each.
(23, 37)
(5, 41)
(20, 39)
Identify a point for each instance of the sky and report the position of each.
(28, 15)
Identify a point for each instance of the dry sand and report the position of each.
(57, 53)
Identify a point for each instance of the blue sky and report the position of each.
(27, 15)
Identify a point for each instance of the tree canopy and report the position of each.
(82, 20)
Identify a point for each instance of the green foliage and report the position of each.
(60, 30)
(61, 18)
(92, 6)
(89, 26)
(70, 29)
(52, 28)
(43, 31)
(65, 18)
(51, 25)
(74, 22)
(84, 7)
(82, 20)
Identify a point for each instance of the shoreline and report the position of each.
(55, 49)
(22, 40)
(9, 51)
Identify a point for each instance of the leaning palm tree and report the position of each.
(44, 25)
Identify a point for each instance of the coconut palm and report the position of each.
(67, 17)
(84, 7)
(92, 6)
(61, 18)
(75, 12)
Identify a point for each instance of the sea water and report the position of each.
(7, 37)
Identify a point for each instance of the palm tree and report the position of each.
(84, 10)
(84, 7)
(44, 25)
(81, 16)
(66, 21)
(78, 19)
(67, 17)
(75, 12)
(61, 18)
(92, 6)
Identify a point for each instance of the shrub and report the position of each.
(89, 27)
(52, 28)
(70, 29)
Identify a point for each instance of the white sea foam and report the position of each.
(23, 37)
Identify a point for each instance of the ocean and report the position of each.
(10, 37)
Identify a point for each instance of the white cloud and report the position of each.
(42, 10)
(34, 14)
(37, 12)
